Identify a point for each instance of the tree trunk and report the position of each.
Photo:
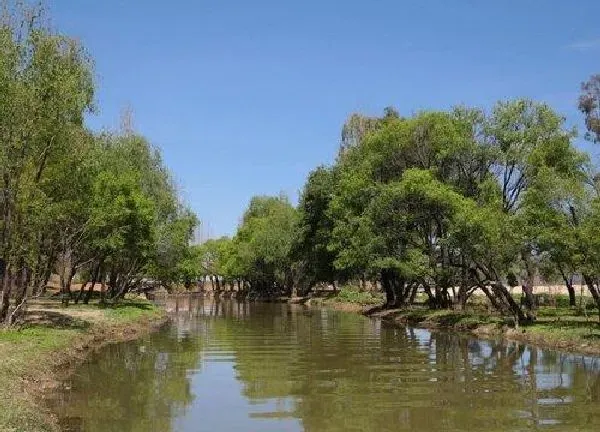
(113, 280)
(413, 293)
(5, 296)
(90, 291)
(47, 274)
(387, 288)
(512, 307)
(65, 286)
(81, 292)
(21, 297)
(400, 290)
(527, 288)
(103, 290)
(460, 301)
(570, 288)
(594, 291)
(529, 300)
(495, 304)
(430, 295)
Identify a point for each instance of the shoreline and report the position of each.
(582, 339)
(36, 357)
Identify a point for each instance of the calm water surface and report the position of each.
(228, 366)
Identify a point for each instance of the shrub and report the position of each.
(350, 294)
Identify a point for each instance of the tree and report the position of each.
(47, 87)
(310, 250)
(264, 243)
(589, 105)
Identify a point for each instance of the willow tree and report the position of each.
(47, 87)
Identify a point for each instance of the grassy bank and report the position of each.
(50, 343)
(558, 326)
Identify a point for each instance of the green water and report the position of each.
(228, 366)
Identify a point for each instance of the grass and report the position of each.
(570, 328)
(557, 325)
(131, 310)
(565, 329)
(51, 337)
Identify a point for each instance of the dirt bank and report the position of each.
(50, 344)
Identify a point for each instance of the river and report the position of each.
(229, 366)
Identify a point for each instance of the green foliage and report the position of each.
(264, 243)
(441, 203)
(72, 201)
(453, 202)
(352, 294)
(310, 248)
(260, 255)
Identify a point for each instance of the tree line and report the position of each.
(100, 205)
(447, 203)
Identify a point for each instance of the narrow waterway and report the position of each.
(228, 366)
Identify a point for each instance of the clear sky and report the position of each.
(245, 97)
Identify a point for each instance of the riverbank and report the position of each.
(53, 340)
(559, 328)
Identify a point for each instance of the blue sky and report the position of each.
(246, 97)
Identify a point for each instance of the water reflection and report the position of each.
(228, 366)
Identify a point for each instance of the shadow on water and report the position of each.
(227, 366)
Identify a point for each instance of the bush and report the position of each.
(350, 294)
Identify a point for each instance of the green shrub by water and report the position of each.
(351, 294)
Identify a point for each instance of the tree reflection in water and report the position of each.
(317, 370)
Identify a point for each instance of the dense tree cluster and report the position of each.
(102, 206)
(446, 203)
(259, 258)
